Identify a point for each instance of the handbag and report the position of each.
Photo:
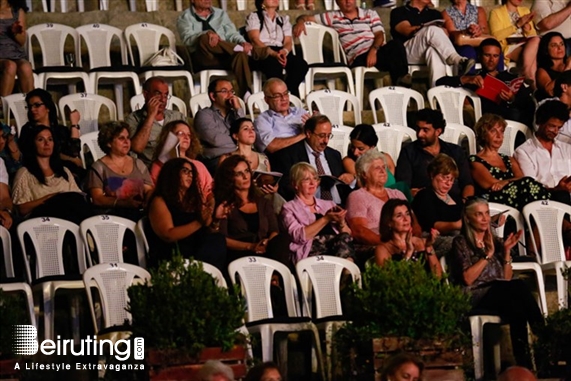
(164, 57)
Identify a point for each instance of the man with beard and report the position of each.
(414, 158)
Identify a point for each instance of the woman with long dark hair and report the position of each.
(551, 62)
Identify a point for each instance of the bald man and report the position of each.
(517, 373)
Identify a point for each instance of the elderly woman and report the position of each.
(551, 62)
(252, 223)
(314, 226)
(498, 177)
(397, 240)
(118, 183)
(214, 370)
(403, 367)
(13, 56)
(482, 264)
(189, 147)
(365, 204)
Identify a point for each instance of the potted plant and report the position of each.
(12, 307)
(401, 306)
(185, 319)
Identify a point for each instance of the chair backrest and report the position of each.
(451, 102)
(340, 140)
(515, 214)
(112, 280)
(16, 105)
(179, 104)
(107, 233)
(257, 100)
(202, 100)
(6, 243)
(322, 274)
(455, 133)
(89, 107)
(89, 141)
(392, 136)
(510, 135)
(98, 39)
(212, 270)
(332, 103)
(138, 101)
(148, 40)
(47, 237)
(52, 39)
(140, 231)
(394, 102)
(254, 274)
(548, 217)
(312, 43)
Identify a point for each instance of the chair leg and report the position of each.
(328, 349)
(267, 337)
(477, 346)
(118, 88)
(561, 286)
(47, 295)
(319, 352)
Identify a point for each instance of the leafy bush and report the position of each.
(182, 308)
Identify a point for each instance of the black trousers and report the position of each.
(391, 57)
(296, 69)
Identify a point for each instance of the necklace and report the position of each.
(480, 243)
(121, 168)
(311, 205)
(446, 199)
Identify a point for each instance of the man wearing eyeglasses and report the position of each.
(146, 124)
(212, 124)
(315, 151)
(281, 125)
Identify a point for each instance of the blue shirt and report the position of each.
(270, 125)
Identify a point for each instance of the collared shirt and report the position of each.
(190, 27)
(357, 35)
(544, 8)
(137, 118)
(334, 192)
(213, 130)
(272, 34)
(536, 161)
(270, 125)
(414, 16)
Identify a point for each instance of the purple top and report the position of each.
(362, 204)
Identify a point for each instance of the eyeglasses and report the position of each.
(180, 134)
(186, 171)
(445, 178)
(279, 96)
(306, 180)
(162, 95)
(36, 105)
(323, 135)
(243, 174)
(225, 92)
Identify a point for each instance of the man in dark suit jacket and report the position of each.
(313, 148)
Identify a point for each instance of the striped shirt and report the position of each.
(357, 35)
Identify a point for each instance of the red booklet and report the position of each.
(493, 86)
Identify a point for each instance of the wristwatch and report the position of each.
(75, 125)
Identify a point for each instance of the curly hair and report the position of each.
(486, 123)
(224, 190)
(108, 132)
(395, 362)
(193, 150)
(47, 100)
(387, 214)
(165, 186)
(30, 157)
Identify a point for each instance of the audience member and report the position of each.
(212, 124)
(146, 124)
(214, 370)
(9, 150)
(414, 158)
(189, 148)
(562, 91)
(426, 44)
(252, 223)
(551, 63)
(553, 15)
(118, 183)
(435, 208)
(398, 242)
(267, 371)
(362, 37)
(314, 150)
(517, 373)
(281, 125)
(6, 205)
(482, 264)
(513, 27)
(266, 28)
(402, 367)
(315, 226)
(243, 133)
(305, 4)
(13, 56)
(43, 111)
(518, 106)
(180, 221)
(544, 157)
(214, 42)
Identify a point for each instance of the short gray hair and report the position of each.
(364, 162)
(269, 83)
(214, 367)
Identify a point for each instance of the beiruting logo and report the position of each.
(25, 343)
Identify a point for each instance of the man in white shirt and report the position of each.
(554, 16)
(544, 157)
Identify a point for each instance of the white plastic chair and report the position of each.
(332, 103)
(89, 141)
(257, 100)
(361, 73)
(548, 217)
(89, 107)
(10, 283)
(510, 135)
(138, 101)
(394, 102)
(47, 237)
(254, 274)
(392, 137)
(112, 281)
(107, 233)
(451, 102)
(340, 140)
(455, 133)
(320, 277)
(52, 38)
(15, 104)
(147, 37)
(312, 48)
(99, 39)
(202, 100)
(140, 231)
(212, 270)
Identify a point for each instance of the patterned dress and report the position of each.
(517, 193)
